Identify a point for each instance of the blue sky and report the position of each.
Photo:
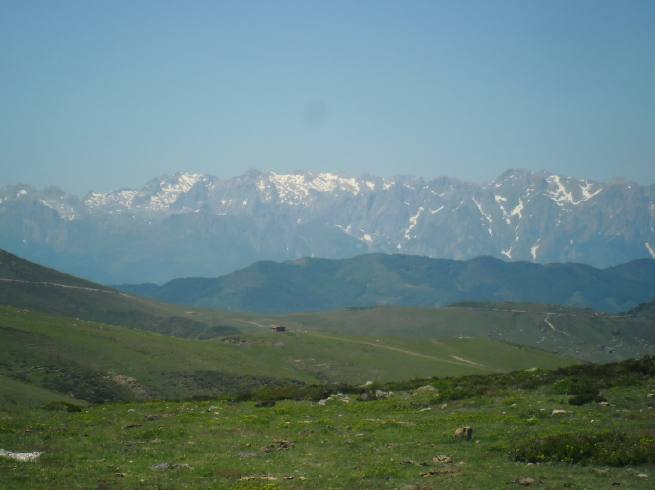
(101, 95)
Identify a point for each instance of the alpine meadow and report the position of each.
(343, 245)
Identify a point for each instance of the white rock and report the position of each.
(21, 457)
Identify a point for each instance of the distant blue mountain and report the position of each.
(404, 280)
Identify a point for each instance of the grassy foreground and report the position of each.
(398, 440)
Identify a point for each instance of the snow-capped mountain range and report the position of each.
(194, 224)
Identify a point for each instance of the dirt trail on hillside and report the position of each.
(59, 285)
(401, 350)
(553, 327)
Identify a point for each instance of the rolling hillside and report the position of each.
(24, 284)
(579, 333)
(583, 334)
(403, 280)
(46, 356)
(644, 310)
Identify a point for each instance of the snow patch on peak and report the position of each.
(535, 249)
(156, 196)
(560, 195)
(586, 190)
(122, 198)
(171, 191)
(346, 229)
(186, 181)
(295, 188)
(650, 249)
(413, 221)
(485, 215)
(518, 209)
(96, 199)
(500, 200)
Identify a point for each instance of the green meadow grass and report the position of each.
(386, 443)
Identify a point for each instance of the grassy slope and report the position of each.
(579, 333)
(376, 444)
(18, 395)
(24, 284)
(13, 267)
(92, 360)
(645, 310)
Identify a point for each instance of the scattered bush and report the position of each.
(576, 385)
(609, 448)
(585, 379)
(294, 391)
(584, 398)
(85, 384)
(460, 391)
(61, 406)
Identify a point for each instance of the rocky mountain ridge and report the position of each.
(194, 224)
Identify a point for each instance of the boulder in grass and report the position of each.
(30, 457)
(425, 389)
(171, 466)
(465, 433)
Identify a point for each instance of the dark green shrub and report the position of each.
(575, 385)
(265, 403)
(85, 384)
(202, 398)
(461, 391)
(584, 398)
(62, 406)
(585, 379)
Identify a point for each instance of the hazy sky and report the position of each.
(107, 94)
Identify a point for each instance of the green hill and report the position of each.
(99, 362)
(19, 395)
(644, 310)
(584, 334)
(402, 280)
(24, 284)
(580, 333)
